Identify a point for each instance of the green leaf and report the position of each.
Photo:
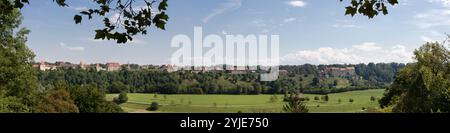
(77, 19)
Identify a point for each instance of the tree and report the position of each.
(273, 99)
(12, 105)
(90, 99)
(325, 98)
(118, 87)
(372, 98)
(423, 86)
(153, 107)
(215, 105)
(57, 101)
(315, 82)
(295, 104)
(17, 81)
(369, 8)
(316, 98)
(351, 100)
(132, 19)
(122, 98)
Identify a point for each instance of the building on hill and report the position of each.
(44, 66)
(98, 67)
(83, 66)
(338, 72)
(65, 65)
(168, 68)
(240, 70)
(112, 66)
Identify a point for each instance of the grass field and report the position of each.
(137, 103)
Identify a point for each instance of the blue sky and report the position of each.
(311, 31)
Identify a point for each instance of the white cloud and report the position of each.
(82, 8)
(433, 18)
(367, 46)
(268, 26)
(445, 3)
(288, 20)
(114, 18)
(426, 39)
(96, 40)
(297, 3)
(403, 2)
(353, 55)
(259, 23)
(433, 36)
(78, 48)
(230, 5)
(135, 41)
(344, 24)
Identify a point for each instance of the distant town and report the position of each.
(328, 71)
(114, 66)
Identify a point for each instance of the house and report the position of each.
(44, 66)
(112, 66)
(167, 68)
(240, 70)
(83, 66)
(338, 72)
(99, 68)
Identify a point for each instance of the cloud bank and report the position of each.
(365, 53)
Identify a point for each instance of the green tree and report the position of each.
(316, 98)
(57, 101)
(17, 78)
(295, 104)
(118, 87)
(122, 98)
(273, 99)
(153, 106)
(325, 98)
(90, 99)
(423, 86)
(369, 8)
(12, 105)
(372, 98)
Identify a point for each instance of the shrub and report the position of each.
(372, 98)
(153, 107)
(122, 98)
(316, 98)
(351, 100)
(325, 98)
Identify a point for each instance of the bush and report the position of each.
(57, 101)
(325, 98)
(153, 107)
(351, 100)
(273, 99)
(122, 98)
(372, 99)
(118, 87)
(295, 104)
(316, 98)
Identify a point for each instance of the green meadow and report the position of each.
(180, 103)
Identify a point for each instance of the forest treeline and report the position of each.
(301, 78)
